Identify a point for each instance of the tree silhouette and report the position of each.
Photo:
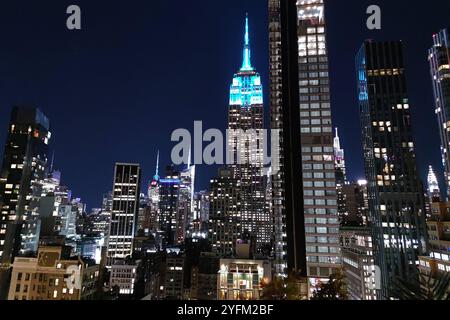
(282, 288)
(334, 289)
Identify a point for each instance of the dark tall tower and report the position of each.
(287, 193)
(24, 168)
(396, 206)
(304, 189)
(169, 194)
(439, 57)
(125, 208)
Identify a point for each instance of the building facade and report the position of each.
(241, 279)
(438, 225)
(169, 194)
(439, 58)
(125, 206)
(395, 193)
(52, 276)
(246, 147)
(358, 262)
(25, 162)
(124, 276)
(225, 216)
(314, 127)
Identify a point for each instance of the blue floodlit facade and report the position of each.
(246, 89)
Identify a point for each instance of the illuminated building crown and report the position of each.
(246, 89)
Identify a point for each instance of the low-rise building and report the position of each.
(358, 262)
(53, 275)
(124, 275)
(241, 279)
(438, 225)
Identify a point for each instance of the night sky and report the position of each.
(139, 69)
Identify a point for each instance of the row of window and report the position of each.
(320, 202)
(319, 184)
(315, 114)
(330, 240)
(318, 166)
(322, 230)
(318, 158)
(317, 130)
(320, 193)
(314, 249)
(315, 259)
(321, 221)
(306, 75)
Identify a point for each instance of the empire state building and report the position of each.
(246, 149)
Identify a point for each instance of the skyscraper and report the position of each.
(433, 190)
(439, 58)
(314, 128)
(186, 207)
(339, 160)
(319, 179)
(24, 168)
(287, 193)
(169, 193)
(125, 206)
(225, 220)
(246, 147)
(341, 178)
(395, 194)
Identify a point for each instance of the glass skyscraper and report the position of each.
(25, 162)
(439, 58)
(396, 207)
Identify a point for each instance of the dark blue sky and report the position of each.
(115, 90)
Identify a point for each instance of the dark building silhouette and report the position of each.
(25, 161)
(396, 206)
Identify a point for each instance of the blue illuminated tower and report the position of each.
(246, 149)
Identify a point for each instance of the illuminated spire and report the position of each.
(246, 64)
(337, 141)
(156, 176)
(189, 158)
(433, 184)
(52, 163)
(339, 159)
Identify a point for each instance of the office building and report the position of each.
(225, 217)
(124, 276)
(169, 193)
(246, 145)
(439, 58)
(174, 276)
(289, 249)
(395, 193)
(24, 168)
(46, 277)
(358, 262)
(125, 206)
(298, 43)
(438, 225)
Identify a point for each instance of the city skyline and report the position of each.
(140, 140)
(336, 183)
